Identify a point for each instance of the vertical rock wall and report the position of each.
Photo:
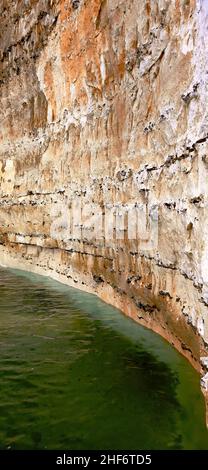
(104, 106)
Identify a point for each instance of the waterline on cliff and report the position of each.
(76, 372)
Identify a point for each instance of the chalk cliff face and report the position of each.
(104, 109)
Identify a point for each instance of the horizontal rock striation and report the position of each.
(104, 154)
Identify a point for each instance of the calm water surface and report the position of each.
(77, 374)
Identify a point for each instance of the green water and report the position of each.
(77, 374)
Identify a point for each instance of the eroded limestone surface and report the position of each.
(104, 102)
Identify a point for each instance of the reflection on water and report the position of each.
(77, 374)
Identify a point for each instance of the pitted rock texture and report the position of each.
(105, 102)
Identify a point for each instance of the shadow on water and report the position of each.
(76, 373)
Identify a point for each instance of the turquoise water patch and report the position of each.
(75, 373)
